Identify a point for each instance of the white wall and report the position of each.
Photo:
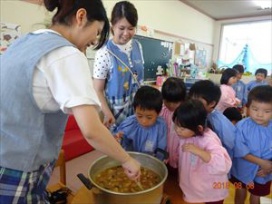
(177, 18)
(172, 17)
(28, 15)
(169, 16)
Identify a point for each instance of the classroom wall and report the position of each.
(172, 21)
(176, 18)
(172, 17)
(29, 16)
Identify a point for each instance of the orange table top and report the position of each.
(83, 196)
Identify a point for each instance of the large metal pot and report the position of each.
(149, 196)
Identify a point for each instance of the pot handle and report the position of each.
(85, 181)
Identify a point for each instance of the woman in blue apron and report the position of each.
(118, 68)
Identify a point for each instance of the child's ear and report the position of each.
(200, 128)
(212, 104)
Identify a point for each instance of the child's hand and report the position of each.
(190, 148)
(204, 155)
(118, 136)
(263, 173)
(244, 115)
(244, 112)
(238, 102)
(266, 166)
(165, 161)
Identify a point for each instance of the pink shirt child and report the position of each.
(227, 99)
(202, 181)
(172, 137)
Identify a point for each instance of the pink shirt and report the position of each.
(172, 137)
(227, 98)
(200, 181)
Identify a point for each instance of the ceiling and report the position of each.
(228, 9)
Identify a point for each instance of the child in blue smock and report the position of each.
(260, 76)
(240, 88)
(252, 162)
(145, 131)
(209, 94)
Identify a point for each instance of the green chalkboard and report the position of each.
(156, 52)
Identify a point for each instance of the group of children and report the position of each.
(208, 150)
(235, 91)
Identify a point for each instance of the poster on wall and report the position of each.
(200, 58)
(9, 33)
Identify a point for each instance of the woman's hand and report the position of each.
(101, 138)
(99, 86)
(132, 168)
(109, 119)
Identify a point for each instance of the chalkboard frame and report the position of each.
(155, 52)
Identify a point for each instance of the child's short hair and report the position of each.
(191, 114)
(173, 90)
(227, 74)
(233, 114)
(261, 71)
(239, 68)
(149, 98)
(261, 94)
(207, 90)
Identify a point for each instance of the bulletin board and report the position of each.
(201, 55)
(155, 52)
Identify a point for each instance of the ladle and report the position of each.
(139, 185)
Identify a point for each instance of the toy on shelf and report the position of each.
(160, 71)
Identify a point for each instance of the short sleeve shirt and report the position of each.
(103, 64)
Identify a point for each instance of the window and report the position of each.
(248, 44)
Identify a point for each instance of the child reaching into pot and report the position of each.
(145, 131)
(203, 161)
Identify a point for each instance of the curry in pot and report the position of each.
(115, 179)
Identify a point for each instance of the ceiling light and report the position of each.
(264, 4)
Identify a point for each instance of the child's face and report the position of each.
(145, 117)
(232, 80)
(239, 76)
(260, 112)
(260, 77)
(183, 132)
(172, 106)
